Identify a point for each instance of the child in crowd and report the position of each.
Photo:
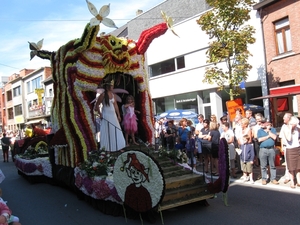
(190, 150)
(5, 214)
(130, 119)
(247, 158)
(178, 145)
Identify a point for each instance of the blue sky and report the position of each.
(57, 21)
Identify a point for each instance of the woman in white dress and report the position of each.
(111, 138)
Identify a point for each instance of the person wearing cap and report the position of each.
(266, 136)
(137, 196)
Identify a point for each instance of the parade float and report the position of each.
(134, 183)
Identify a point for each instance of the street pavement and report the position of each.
(44, 204)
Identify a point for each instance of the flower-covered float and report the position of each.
(105, 179)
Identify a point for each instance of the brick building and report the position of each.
(281, 29)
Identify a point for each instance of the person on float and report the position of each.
(130, 124)
(111, 138)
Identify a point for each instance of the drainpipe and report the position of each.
(266, 101)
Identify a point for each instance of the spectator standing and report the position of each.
(190, 150)
(191, 127)
(5, 142)
(237, 118)
(247, 157)
(183, 130)
(238, 135)
(170, 134)
(266, 137)
(286, 120)
(214, 137)
(159, 134)
(213, 118)
(249, 116)
(223, 119)
(258, 118)
(229, 136)
(245, 129)
(206, 144)
(291, 139)
(198, 128)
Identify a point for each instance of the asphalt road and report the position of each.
(44, 204)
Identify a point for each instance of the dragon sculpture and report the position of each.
(79, 66)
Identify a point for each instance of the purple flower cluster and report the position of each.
(224, 164)
(26, 167)
(101, 189)
(87, 183)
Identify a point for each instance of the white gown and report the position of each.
(111, 135)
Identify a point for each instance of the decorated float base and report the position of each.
(181, 185)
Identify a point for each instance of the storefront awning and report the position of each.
(276, 96)
(281, 92)
(36, 121)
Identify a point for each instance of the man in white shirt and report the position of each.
(286, 119)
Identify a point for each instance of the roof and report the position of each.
(263, 4)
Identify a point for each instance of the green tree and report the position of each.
(226, 26)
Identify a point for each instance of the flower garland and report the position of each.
(99, 163)
(222, 183)
(38, 166)
(97, 187)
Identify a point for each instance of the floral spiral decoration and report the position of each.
(222, 183)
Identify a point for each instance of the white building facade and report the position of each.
(177, 67)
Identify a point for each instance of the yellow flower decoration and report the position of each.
(40, 143)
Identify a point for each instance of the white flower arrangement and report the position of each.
(38, 166)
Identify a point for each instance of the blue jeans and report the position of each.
(267, 155)
(199, 150)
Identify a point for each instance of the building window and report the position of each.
(34, 84)
(10, 113)
(18, 110)
(283, 36)
(167, 66)
(180, 62)
(8, 96)
(286, 83)
(17, 91)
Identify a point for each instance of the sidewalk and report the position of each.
(280, 171)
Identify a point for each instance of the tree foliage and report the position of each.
(226, 26)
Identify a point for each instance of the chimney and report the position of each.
(138, 12)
